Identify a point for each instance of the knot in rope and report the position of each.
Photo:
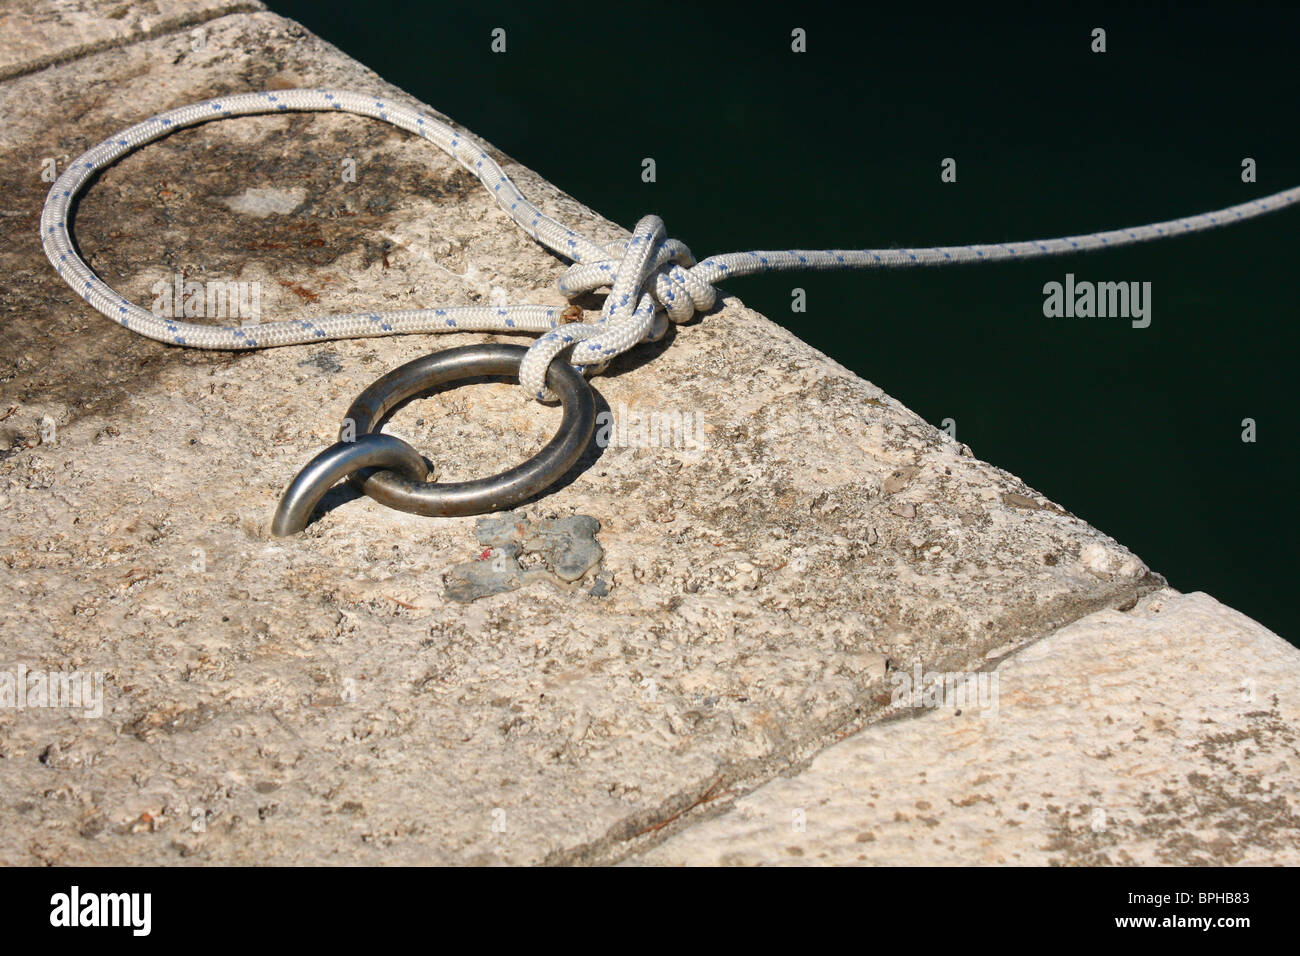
(652, 281)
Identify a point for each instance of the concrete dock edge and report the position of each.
(745, 675)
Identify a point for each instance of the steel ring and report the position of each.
(481, 495)
(335, 463)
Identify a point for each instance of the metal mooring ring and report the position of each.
(398, 484)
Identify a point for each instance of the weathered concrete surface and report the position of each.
(321, 699)
(39, 33)
(1164, 735)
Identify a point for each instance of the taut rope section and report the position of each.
(651, 275)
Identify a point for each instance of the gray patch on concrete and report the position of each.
(565, 547)
(326, 362)
(568, 545)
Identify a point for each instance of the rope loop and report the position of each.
(652, 279)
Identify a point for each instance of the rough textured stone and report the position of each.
(320, 699)
(38, 33)
(1164, 735)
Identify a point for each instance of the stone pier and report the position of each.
(736, 656)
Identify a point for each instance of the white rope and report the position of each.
(653, 278)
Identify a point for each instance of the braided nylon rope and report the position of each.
(653, 278)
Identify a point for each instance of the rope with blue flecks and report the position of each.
(653, 278)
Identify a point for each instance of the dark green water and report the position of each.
(1136, 430)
